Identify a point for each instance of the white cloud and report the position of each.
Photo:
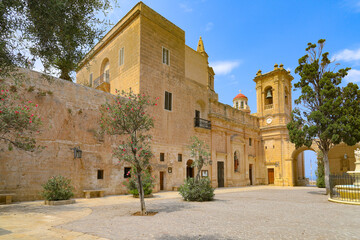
(347, 55)
(353, 76)
(209, 26)
(225, 67)
(352, 5)
(185, 7)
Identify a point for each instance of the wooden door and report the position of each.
(161, 180)
(189, 172)
(220, 174)
(250, 174)
(271, 175)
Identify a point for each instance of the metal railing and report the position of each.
(105, 77)
(345, 188)
(202, 123)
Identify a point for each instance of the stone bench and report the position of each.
(8, 197)
(88, 192)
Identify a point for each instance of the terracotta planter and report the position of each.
(60, 202)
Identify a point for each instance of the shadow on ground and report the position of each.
(4, 231)
(317, 192)
(168, 207)
(38, 208)
(199, 237)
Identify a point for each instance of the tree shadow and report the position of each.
(317, 192)
(198, 237)
(169, 207)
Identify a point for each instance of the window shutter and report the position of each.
(170, 101)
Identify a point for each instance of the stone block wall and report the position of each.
(70, 116)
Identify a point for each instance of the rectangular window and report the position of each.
(90, 79)
(168, 101)
(165, 56)
(179, 157)
(250, 141)
(100, 174)
(121, 56)
(127, 172)
(162, 157)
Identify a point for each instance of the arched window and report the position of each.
(242, 105)
(269, 93)
(105, 71)
(236, 161)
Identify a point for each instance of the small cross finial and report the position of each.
(239, 91)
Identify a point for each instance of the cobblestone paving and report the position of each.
(277, 213)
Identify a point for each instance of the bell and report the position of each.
(269, 95)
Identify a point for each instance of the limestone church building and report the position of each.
(147, 53)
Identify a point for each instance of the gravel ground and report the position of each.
(273, 213)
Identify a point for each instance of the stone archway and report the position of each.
(298, 164)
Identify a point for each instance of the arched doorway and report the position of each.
(189, 169)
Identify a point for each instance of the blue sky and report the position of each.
(244, 36)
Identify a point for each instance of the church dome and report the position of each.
(240, 95)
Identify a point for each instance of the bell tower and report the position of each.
(273, 92)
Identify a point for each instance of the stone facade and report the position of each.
(147, 53)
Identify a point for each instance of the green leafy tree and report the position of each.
(62, 31)
(199, 150)
(320, 174)
(127, 116)
(326, 112)
(18, 120)
(11, 47)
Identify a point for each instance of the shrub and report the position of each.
(197, 191)
(57, 188)
(147, 181)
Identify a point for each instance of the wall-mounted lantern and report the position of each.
(169, 170)
(345, 156)
(77, 152)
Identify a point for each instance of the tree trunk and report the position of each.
(197, 179)
(141, 194)
(65, 75)
(327, 171)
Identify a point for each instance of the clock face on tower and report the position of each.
(268, 120)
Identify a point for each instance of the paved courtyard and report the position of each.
(261, 212)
